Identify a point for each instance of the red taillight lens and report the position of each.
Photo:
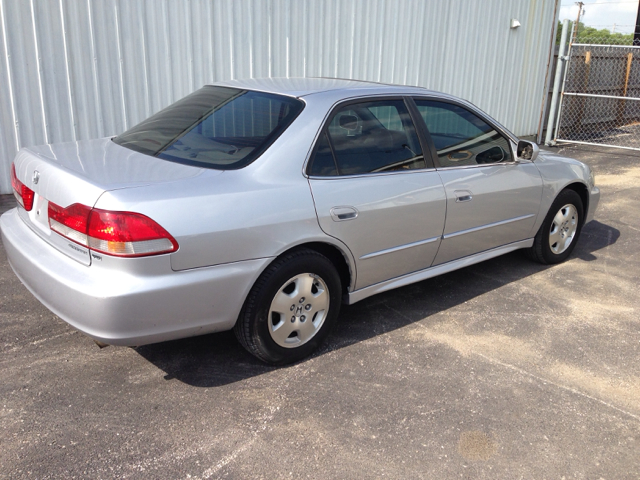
(70, 222)
(23, 194)
(123, 234)
(127, 234)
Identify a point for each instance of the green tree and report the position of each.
(603, 36)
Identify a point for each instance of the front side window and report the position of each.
(368, 137)
(460, 137)
(214, 127)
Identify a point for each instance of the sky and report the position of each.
(603, 13)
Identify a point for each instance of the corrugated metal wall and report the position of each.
(78, 69)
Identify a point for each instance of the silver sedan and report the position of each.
(263, 205)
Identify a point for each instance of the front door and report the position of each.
(492, 200)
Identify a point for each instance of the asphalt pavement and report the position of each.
(506, 369)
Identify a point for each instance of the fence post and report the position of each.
(556, 84)
(625, 87)
(585, 87)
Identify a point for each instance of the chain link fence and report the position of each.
(601, 95)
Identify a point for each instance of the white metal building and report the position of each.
(79, 69)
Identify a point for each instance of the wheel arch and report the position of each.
(335, 255)
(582, 190)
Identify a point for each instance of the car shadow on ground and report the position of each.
(218, 359)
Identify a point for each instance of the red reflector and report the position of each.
(123, 234)
(23, 194)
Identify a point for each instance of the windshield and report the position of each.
(214, 127)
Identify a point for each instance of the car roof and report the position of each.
(342, 89)
(304, 86)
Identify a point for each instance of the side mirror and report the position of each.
(349, 122)
(527, 150)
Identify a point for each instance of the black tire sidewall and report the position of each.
(566, 197)
(265, 290)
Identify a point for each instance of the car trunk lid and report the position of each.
(80, 172)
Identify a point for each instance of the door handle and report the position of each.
(340, 214)
(463, 196)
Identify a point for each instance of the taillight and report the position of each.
(122, 234)
(23, 194)
(70, 222)
(127, 234)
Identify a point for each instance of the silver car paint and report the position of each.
(80, 172)
(500, 206)
(229, 225)
(557, 173)
(398, 222)
(128, 301)
(434, 271)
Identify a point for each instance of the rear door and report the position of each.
(492, 199)
(375, 191)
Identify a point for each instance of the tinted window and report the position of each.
(214, 127)
(460, 137)
(323, 162)
(369, 137)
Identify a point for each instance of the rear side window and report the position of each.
(214, 127)
(461, 137)
(368, 137)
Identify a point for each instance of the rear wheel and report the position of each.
(560, 230)
(291, 308)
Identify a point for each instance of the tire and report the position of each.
(291, 308)
(560, 230)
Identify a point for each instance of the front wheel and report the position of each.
(560, 230)
(291, 308)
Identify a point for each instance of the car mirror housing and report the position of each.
(349, 122)
(527, 150)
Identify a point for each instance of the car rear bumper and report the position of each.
(128, 307)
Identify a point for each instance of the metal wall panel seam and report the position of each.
(250, 35)
(288, 39)
(72, 115)
(7, 57)
(209, 22)
(94, 66)
(420, 43)
(305, 29)
(231, 42)
(269, 43)
(120, 64)
(167, 46)
(145, 59)
(381, 20)
(189, 36)
(39, 70)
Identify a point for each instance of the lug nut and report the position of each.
(303, 318)
(293, 307)
(302, 300)
(307, 307)
(293, 319)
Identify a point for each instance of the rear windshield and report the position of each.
(214, 127)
